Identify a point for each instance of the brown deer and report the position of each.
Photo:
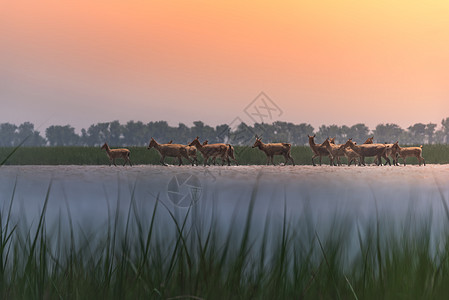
(317, 149)
(230, 153)
(170, 150)
(366, 150)
(388, 152)
(350, 155)
(191, 151)
(405, 152)
(369, 140)
(116, 153)
(335, 151)
(272, 149)
(212, 150)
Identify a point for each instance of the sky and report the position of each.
(318, 62)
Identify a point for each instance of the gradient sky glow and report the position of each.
(322, 62)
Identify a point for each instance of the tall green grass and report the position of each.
(434, 154)
(136, 256)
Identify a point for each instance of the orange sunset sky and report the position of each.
(322, 62)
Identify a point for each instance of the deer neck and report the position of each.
(199, 146)
(354, 147)
(157, 146)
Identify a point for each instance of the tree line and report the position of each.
(138, 133)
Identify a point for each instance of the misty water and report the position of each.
(89, 196)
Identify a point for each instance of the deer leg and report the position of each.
(271, 158)
(378, 160)
(286, 159)
(113, 160)
(387, 159)
(186, 156)
(268, 160)
(291, 158)
(162, 160)
(313, 162)
(320, 160)
(404, 158)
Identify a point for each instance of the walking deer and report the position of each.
(405, 152)
(272, 149)
(116, 153)
(335, 151)
(229, 155)
(388, 151)
(350, 155)
(318, 149)
(170, 150)
(212, 150)
(191, 151)
(366, 150)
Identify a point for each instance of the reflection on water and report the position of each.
(91, 195)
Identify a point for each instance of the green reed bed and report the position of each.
(433, 154)
(136, 255)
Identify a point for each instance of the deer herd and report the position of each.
(225, 152)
